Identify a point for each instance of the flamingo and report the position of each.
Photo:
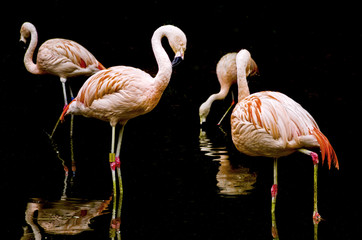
(271, 124)
(121, 93)
(61, 57)
(226, 75)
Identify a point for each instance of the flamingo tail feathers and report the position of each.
(100, 66)
(326, 148)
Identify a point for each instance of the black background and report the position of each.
(309, 52)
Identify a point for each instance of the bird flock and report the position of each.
(267, 123)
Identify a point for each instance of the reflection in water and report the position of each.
(231, 180)
(62, 217)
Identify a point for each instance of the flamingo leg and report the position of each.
(232, 104)
(274, 192)
(63, 80)
(316, 216)
(119, 175)
(113, 169)
(116, 164)
(71, 139)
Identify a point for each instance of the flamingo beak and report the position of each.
(178, 59)
(22, 39)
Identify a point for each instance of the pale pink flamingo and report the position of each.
(226, 75)
(61, 57)
(271, 124)
(121, 93)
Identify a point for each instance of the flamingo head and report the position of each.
(25, 31)
(203, 112)
(177, 40)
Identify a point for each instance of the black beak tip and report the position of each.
(176, 61)
(22, 44)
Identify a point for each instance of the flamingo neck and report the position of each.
(217, 96)
(164, 64)
(241, 65)
(28, 58)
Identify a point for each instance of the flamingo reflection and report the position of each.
(61, 217)
(231, 179)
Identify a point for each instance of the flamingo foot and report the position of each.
(274, 190)
(316, 218)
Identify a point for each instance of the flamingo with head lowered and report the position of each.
(61, 57)
(226, 75)
(271, 124)
(121, 93)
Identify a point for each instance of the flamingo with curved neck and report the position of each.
(61, 57)
(226, 75)
(271, 124)
(121, 93)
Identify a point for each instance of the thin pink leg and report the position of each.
(316, 216)
(274, 193)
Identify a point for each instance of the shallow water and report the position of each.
(232, 180)
(176, 189)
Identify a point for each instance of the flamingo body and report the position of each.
(121, 93)
(60, 57)
(116, 95)
(271, 124)
(66, 58)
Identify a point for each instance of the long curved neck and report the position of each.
(163, 61)
(224, 90)
(241, 65)
(29, 218)
(28, 58)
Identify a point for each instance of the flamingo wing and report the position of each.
(66, 56)
(116, 94)
(277, 114)
(123, 81)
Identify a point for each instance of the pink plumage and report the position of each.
(66, 58)
(121, 93)
(271, 124)
(61, 57)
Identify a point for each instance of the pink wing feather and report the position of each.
(285, 119)
(58, 55)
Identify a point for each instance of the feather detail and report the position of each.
(326, 148)
(100, 66)
(65, 110)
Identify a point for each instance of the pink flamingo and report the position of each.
(120, 93)
(226, 75)
(60, 57)
(271, 124)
